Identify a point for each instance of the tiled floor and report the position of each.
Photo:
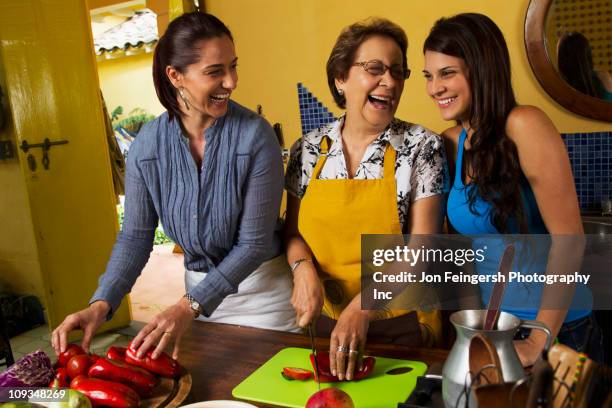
(160, 285)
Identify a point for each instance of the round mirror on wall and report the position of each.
(569, 46)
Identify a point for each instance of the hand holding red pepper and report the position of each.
(348, 340)
(325, 374)
(163, 365)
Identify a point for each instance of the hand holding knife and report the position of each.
(314, 354)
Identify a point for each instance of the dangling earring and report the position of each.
(180, 91)
(340, 92)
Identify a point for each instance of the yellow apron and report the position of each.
(333, 215)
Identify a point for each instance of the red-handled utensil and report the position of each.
(497, 295)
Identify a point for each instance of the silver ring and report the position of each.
(353, 351)
(342, 349)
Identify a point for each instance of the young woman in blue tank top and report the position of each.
(512, 173)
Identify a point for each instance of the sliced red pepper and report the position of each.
(137, 378)
(294, 373)
(116, 353)
(106, 393)
(163, 365)
(60, 380)
(325, 374)
(71, 351)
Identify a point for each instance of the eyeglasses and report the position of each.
(377, 68)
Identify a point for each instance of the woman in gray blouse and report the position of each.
(211, 171)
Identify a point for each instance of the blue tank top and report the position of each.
(480, 222)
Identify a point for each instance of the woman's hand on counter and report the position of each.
(166, 328)
(307, 297)
(88, 320)
(350, 333)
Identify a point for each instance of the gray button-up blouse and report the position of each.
(225, 217)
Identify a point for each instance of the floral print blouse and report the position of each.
(420, 166)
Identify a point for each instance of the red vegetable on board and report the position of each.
(71, 351)
(106, 393)
(116, 353)
(93, 357)
(137, 378)
(295, 373)
(325, 374)
(61, 379)
(163, 365)
(78, 365)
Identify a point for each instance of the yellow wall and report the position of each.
(280, 43)
(127, 81)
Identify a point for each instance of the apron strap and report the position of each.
(322, 157)
(388, 165)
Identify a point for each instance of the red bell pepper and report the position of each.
(61, 379)
(137, 378)
(163, 365)
(325, 374)
(116, 353)
(107, 393)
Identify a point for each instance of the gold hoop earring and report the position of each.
(180, 91)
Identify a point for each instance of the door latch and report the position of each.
(45, 145)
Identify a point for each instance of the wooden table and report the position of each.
(220, 356)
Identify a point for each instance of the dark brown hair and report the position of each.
(178, 48)
(342, 55)
(492, 160)
(575, 61)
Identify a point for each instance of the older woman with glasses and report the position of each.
(365, 173)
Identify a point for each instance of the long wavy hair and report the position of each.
(492, 161)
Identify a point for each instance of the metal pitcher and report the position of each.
(456, 376)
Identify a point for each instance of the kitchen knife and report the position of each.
(497, 295)
(314, 354)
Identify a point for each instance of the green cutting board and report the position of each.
(379, 390)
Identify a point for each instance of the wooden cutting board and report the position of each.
(379, 390)
(169, 393)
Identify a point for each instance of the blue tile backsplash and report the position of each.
(591, 158)
(590, 153)
(312, 112)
